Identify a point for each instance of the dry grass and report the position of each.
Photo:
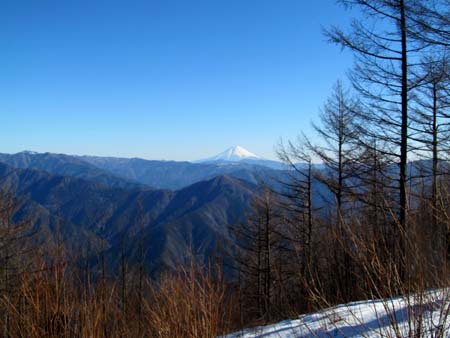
(54, 302)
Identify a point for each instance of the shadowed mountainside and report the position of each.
(93, 216)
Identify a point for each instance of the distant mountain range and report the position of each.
(95, 217)
(101, 204)
(136, 173)
(174, 209)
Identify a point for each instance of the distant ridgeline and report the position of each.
(172, 209)
(98, 205)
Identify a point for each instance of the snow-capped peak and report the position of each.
(30, 152)
(233, 154)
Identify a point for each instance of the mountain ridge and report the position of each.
(171, 224)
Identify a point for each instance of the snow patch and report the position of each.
(395, 317)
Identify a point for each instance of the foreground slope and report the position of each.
(421, 315)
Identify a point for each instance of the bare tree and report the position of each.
(296, 200)
(386, 51)
(431, 128)
(260, 261)
(338, 149)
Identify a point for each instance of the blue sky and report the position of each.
(163, 79)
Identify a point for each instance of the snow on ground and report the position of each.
(399, 317)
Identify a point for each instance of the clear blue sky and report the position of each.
(163, 79)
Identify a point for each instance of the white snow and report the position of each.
(398, 317)
(233, 154)
(30, 152)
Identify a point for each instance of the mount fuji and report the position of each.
(238, 154)
(233, 154)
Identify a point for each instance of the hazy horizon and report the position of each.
(117, 156)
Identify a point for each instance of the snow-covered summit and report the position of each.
(238, 155)
(233, 154)
(29, 152)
